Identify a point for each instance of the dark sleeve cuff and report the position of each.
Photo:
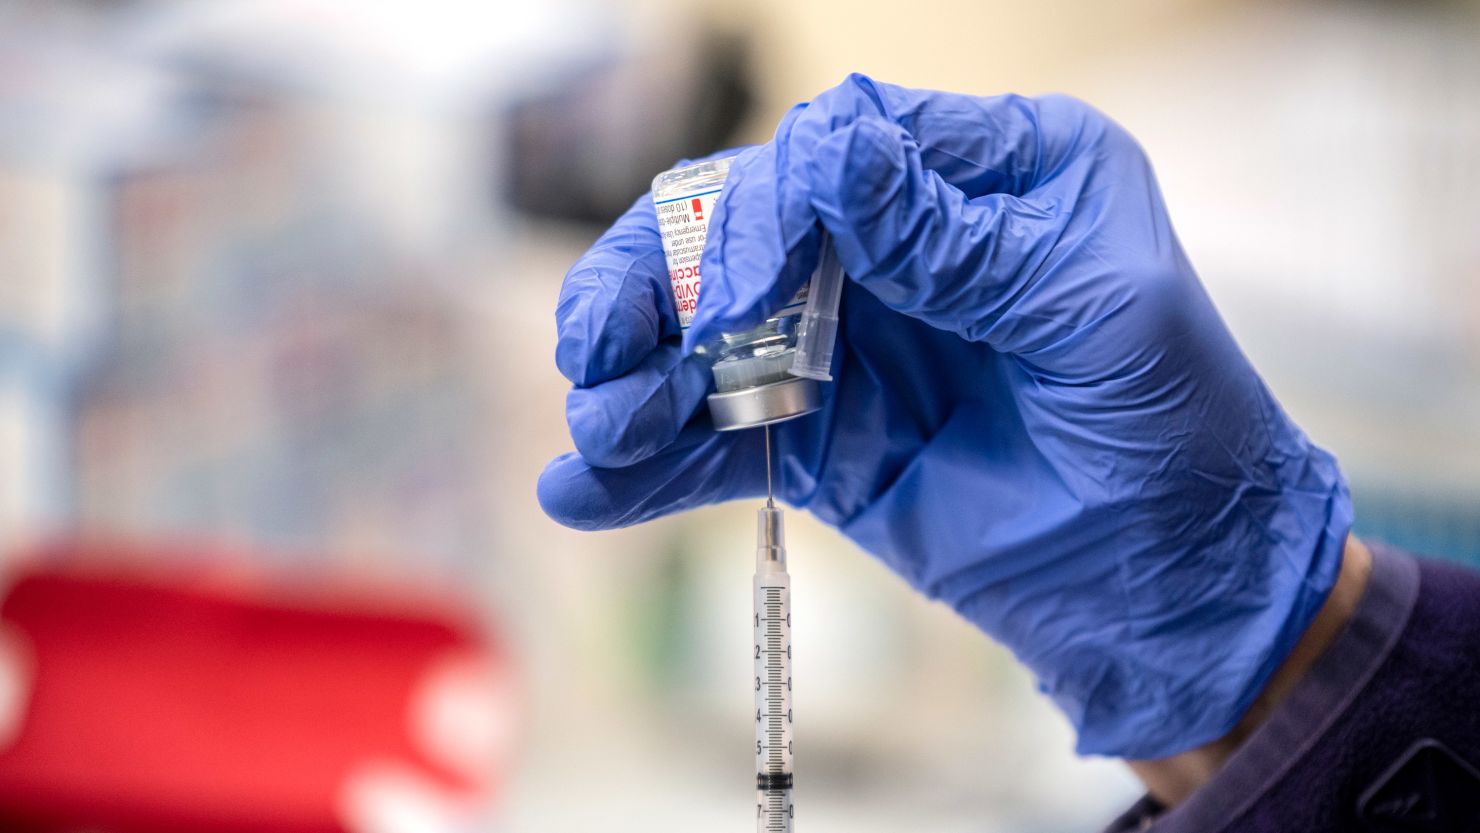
(1382, 733)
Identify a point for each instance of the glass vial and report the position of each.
(753, 365)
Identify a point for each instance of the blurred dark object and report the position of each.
(583, 152)
(144, 699)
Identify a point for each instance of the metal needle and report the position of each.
(769, 502)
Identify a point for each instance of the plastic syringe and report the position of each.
(772, 632)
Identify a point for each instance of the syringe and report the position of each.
(772, 631)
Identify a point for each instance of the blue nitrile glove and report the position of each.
(1038, 417)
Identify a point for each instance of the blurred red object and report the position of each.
(146, 699)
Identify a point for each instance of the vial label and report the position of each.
(683, 223)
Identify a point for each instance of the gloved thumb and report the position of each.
(917, 242)
(762, 243)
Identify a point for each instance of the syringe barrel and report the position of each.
(774, 811)
(773, 705)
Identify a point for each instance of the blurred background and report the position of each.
(277, 284)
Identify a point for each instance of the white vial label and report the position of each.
(683, 223)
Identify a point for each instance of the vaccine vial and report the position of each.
(754, 382)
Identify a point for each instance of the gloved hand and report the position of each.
(1038, 416)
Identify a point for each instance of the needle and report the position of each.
(769, 502)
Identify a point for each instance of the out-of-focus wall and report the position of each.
(982, 48)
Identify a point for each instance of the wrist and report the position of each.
(1170, 780)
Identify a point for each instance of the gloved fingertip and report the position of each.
(575, 355)
(631, 418)
(716, 311)
(615, 304)
(703, 331)
(697, 333)
(857, 171)
(599, 434)
(710, 324)
(570, 496)
(610, 315)
(692, 339)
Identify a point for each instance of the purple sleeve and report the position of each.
(1383, 734)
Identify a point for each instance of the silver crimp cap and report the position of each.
(764, 404)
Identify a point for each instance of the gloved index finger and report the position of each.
(761, 246)
(615, 305)
(999, 144)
